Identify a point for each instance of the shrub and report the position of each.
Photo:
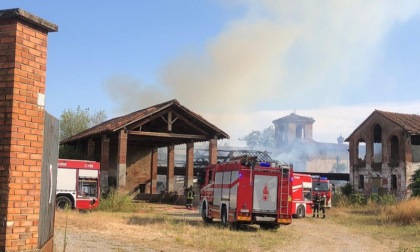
(358, 199)
(347, 190)
(116, 201)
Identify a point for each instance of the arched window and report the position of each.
(300, 132)
(377, 144)
(395, 150)
(361, 153)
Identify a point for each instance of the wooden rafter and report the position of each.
(168, 135)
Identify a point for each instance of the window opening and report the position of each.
(415, 148)
(395, 150)
(377, 144)
(361, 182)
(299, 132)
(393, 181)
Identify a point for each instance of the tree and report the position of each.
(260, 139)
(73, 122)
(414, 186)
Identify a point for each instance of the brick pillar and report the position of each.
(189, 165)
(90, 150)
(153, 171)
(23, 52)
(122, 159)
(170, 171)
(104, 163)
(213, 151)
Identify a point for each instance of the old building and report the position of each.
(294, 144)
(127, 146)
(384, 153)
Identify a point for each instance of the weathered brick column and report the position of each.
(153, 170)
(104, 163)
(170, 181)
(189, 165)
(122, 159)
(213, 151)
(23, 53)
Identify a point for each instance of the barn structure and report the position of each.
(127, 146)
(384, 153)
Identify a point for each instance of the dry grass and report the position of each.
(174, 229)
(400, 221)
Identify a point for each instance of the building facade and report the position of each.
(294, 144)
(384, 153)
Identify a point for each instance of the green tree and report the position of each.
(76, 121)
(260, 139)
(414, 185)
(73, 122)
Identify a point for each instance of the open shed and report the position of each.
(127, 146)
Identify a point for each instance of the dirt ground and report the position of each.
(307, 235)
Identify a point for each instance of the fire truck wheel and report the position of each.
(224, 217)
(204, 216)
(300, 212)
(62, 202)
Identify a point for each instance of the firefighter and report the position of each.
(316, 201)
(190, 197)
(322, 204)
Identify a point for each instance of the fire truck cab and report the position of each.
(244, 191)
(322, 186)
(77, 184)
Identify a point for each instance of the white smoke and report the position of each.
(276, 57)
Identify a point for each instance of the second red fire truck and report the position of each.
(302, 195)
(244, 191)
(77, 184)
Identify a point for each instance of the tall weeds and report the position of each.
(406, 212)
(116, 201)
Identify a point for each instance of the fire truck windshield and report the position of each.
(320, 186)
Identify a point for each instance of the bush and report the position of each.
(347, 190)
(115, 201)
(358, 199)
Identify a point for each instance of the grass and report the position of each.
(398, 220)
(172, 228)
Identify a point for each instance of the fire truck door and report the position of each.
(265, 193)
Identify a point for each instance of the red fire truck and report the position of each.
(244, 191)
(302, 195)
(77, 184)
(322, 186)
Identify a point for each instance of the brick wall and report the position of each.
(23, 51)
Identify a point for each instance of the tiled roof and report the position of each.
(409, 122)
(117, 123)
(294, 118)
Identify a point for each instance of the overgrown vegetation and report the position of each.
(414, 185)
(116, 201)
(383, 209)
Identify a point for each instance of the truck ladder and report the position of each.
(284, 191)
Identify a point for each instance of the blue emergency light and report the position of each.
(265, 164)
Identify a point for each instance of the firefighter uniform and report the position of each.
(316, 202)
(190, 197)
(322, 204)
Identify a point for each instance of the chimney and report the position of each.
(23, 55)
